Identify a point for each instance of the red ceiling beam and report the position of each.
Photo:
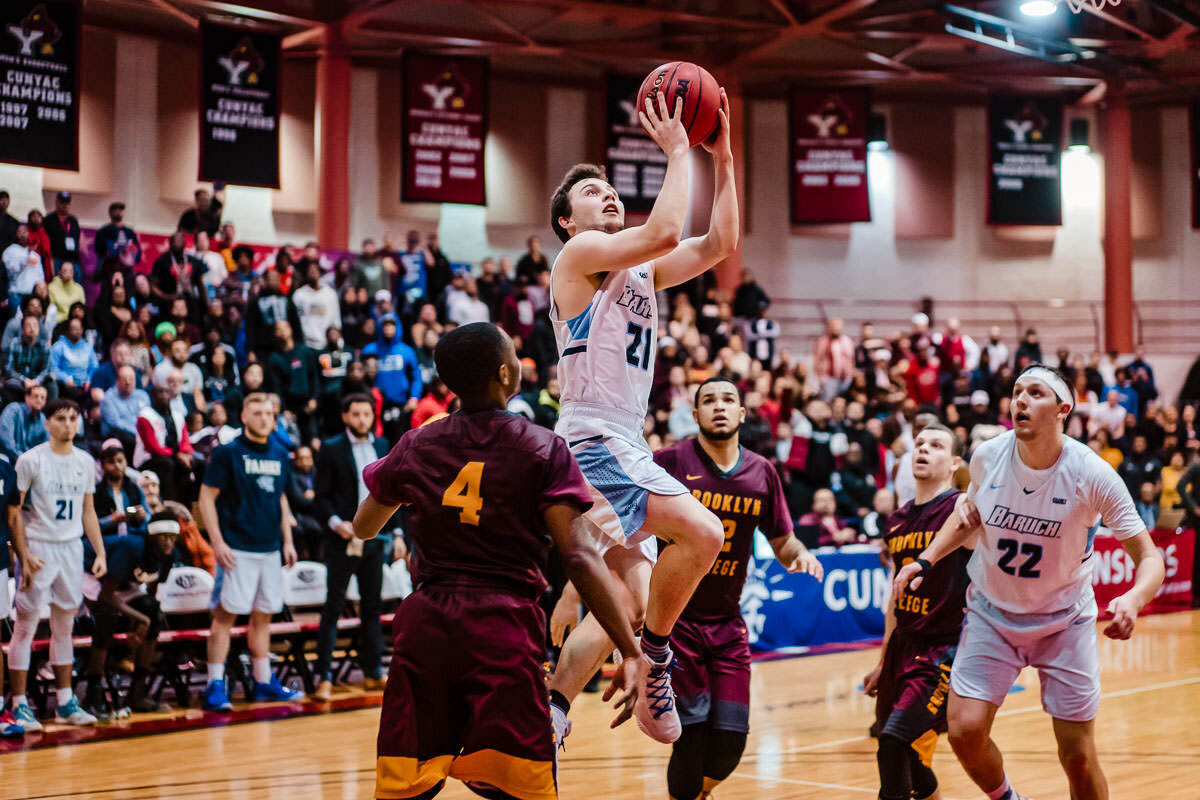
(596, 10)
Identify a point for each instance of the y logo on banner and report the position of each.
(244, 57)
(1029, 124)
(36, 27)
(449, 90)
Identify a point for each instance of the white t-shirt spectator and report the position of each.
(24, 267)
(1111, 418)
(193, 378)
(463, 309)
(54, 489)
(319, 311)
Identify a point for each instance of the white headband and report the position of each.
(163, 526)
(1051, 379)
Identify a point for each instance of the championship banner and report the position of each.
(445, 125)
(239, 106)
(827, 157)
(39, 83)
(1024, 174)
(636, 165)
(1113, 571)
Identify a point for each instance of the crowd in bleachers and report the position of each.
(161, 362)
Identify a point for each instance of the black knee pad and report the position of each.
(895, 776)
(924, 782)
(722, 753)
(685, 770)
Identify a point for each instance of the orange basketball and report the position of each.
(700, 92)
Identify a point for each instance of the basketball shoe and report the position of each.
(216, 698)
(26, 718)
(655, 707)
(10, 728)
(562, 729)
(72, 713)
(275, 692)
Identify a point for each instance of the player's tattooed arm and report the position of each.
(1149, 577)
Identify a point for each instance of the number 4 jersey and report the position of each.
(54, 487)
(1034, 555)
(479, 484)
(606, 352)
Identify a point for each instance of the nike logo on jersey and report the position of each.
(694, 477)
(1028, 491)
(896, 527)
(996, 486)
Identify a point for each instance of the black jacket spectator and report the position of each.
(749, 297)
(64, 231)
(262, 312)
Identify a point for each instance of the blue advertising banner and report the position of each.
(785, 611)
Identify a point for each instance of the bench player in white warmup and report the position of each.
(605, 318)
(57, 481)
(1039, 497)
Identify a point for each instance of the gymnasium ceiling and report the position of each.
(906, 49)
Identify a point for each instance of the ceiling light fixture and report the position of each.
(1038, 8)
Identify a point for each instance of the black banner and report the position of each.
(39, 83)
(239, 106)
(1194, 130)
(636, 166)
(1024, 166)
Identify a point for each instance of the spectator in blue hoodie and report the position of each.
(73, 361)
(399, 378)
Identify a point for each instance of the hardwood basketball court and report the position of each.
(808, 742)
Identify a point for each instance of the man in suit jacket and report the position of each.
(339, 490)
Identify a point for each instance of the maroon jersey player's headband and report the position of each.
(1051, 379)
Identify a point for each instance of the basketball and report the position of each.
(700, 92)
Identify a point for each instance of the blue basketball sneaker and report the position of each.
(275, 692)
(216, 698)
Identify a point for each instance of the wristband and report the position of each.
(925, 565)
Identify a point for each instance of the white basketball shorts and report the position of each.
(620, 471)
(60, 580)
(995, 646)
(254, 584)
(6, 601)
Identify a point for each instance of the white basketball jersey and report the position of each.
(1034, 555)
(54, 489)
(606, 353)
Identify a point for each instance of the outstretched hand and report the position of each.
(719, 144)
(630, 677)
(667, 132)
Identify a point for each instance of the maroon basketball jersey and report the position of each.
(935, 610)
(747, 497)
(478, 484)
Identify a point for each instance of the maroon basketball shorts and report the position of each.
(913, 687)
(712, 673)
(466, 696)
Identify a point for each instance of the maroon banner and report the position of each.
(827, 157)
(445, 127)
(1113, 571)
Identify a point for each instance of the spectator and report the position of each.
(996, 349)
(816, 447)
(39, 240)
(761, 334)
(22, 426)
(23, 268)
(922, 378)
(268, 307)
(66, 237)
(436, 403)
(235, 291)
(438, 270)
(179, 315)
(317, 307)
(177, 273)
(116, 240)
(412, 278)
(162, 445)
(339, 490)
(853, 484)
(1029, 351)
(302, 502)
(1172, 473)
(823, 525)
(214, 272)
(1140, 466)
(532, 261)
(399, 377)
(295, 375)
(749, 298)
(64, 290)
(122, 404)
(493, 287)
(1101, 443)
(957, 351)
(468, 308)
(368, 275)
(833, 360)
(140, 356)
(112, 312)
(1110, 416)
(73, 361)
(218, 375)
(8, 223)
(517, 313)
(874, 524)
(1147, 505)
(27, 361)
(192, 388)
(205, 215)
(120, 504)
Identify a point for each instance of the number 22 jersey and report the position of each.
(54, 487)
(1034, 555)
(478, 484)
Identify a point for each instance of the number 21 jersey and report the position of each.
(54, 489)
(1034, 555)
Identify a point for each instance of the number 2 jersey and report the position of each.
(478, 484)
(54, 487)
(747, 497)
(933, 612)
(1034, 555)
(606, 352)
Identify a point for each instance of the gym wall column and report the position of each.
(333, 140)
(729, 271)
(1117, 143)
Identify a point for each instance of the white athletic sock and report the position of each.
(20, 700)
(262, 669)
(216, 672)
(64, 696)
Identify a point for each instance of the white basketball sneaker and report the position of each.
(562, 729)
(655, 707)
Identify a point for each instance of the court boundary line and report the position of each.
(817, 784)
